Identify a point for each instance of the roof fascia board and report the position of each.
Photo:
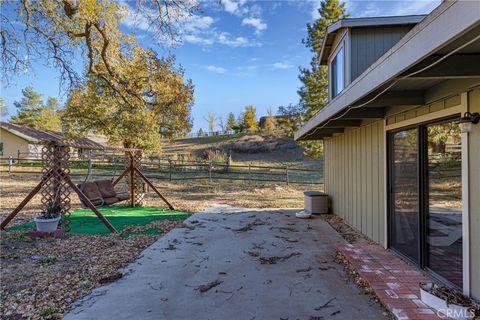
(447, 22)
(374, 21)
(21, 135)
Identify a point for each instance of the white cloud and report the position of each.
(198, 29)
(190, 38)
(282, 65)
(245, 71)
(257, 23)
(224, 38)
(230, 6)
(216, 69)
(197, 23)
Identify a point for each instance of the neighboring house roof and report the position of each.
(36, 136)
(278, 118)
(443, 46)
(103, 140)
(362, 23)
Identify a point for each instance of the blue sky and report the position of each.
(237, 52)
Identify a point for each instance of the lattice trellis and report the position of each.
(55, 190)
(56, 185)
(139, 189)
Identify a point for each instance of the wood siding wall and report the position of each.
(12, 143)
(355, 178)
(369, 44)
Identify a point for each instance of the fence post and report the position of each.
(170, 169)
(210, 171)
(18, 156)
(10, 161)
(286, 175)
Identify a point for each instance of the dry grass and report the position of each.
(184, 195)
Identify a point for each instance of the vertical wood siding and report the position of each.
(354, 178)
(369, 44)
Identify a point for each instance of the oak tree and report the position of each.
(119, 76)
(163, 110)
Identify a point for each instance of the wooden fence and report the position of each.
(162, 168)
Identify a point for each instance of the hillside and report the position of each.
(245, 148)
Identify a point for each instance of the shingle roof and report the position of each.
(37, 136)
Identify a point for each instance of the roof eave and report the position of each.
(446, 23)
(21, 135)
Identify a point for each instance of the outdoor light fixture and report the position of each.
(468, 120)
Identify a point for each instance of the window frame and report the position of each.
(340, 46)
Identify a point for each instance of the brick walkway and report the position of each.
(394, 282)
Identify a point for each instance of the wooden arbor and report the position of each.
(55, 185)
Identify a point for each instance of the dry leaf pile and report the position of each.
(40, 278)
(348, 233)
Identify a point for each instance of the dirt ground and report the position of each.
(186, 196)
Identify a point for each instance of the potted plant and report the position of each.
(48, 220)
(448, 301)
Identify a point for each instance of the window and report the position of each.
(337, 72)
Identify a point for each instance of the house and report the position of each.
(21, 142)
(402, 138)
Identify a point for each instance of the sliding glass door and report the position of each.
(444, 192)
(425, 198)
(404, 210)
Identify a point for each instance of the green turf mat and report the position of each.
(84, 221)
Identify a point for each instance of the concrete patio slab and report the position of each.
(233, 263)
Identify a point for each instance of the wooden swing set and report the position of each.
(55, 185)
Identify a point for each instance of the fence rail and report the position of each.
(166, 169)
(231, 133)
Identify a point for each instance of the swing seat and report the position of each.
(102, 193)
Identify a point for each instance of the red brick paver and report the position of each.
(392, 280)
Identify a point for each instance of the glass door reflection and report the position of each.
(405, 195)
(444, 194)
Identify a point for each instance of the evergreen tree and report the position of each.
(3, 108)
(28, 108)
(291, 118)
(314, 91)
(230, 121)
(34, 114)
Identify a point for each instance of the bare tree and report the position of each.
(211, 119)
(221, 123)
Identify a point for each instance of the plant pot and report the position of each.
(450, 310)
(303, 214)
(47, 225)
